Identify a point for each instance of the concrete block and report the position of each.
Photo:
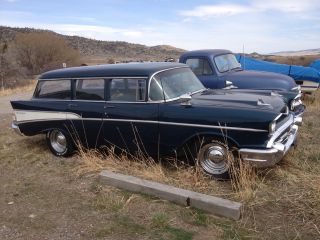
(215, 205)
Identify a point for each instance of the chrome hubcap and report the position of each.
(213, 159)
(58, 141)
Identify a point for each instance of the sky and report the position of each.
(262, 26)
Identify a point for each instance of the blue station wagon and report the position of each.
(161, 109)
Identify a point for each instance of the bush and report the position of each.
(11, 74)
(39, 52)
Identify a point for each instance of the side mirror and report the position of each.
(229, 85)
(185, 99)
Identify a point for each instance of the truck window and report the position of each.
(199, 66)
(226, 62)
(90, 89)
(55, 89)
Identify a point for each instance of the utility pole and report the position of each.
(244, 58)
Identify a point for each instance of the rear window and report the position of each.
(91, 89)
(55, 89)
(199, 66)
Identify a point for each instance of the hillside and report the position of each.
(315, 51)
(96, 51)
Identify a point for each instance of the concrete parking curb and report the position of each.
(215, 205)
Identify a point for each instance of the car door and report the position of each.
(205, 72)
(88, 104)
(130, 122)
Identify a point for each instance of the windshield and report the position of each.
(174, 83)
(226, 62)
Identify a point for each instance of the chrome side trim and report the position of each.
(212, 126)
(31, 115)
(57, 116)
(94, 101)
(89, 78)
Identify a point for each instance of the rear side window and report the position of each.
(128, 90)
(55, 89)
(90, 89)
(199, 66)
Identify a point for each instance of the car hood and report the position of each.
(260, 80)
(234, 99)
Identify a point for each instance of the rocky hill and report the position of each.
(315, 51)
(101, 51)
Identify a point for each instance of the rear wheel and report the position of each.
(59, 143)
(214, 158)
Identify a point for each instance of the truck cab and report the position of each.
(219, 68)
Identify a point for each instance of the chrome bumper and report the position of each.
(16, 128)
(270, 156)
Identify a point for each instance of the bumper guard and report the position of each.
(271, 156)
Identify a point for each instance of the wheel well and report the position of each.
(190, 148)
(201, 138)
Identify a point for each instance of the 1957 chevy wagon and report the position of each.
(159, 108)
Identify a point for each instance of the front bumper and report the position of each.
(16, 128)
(270, 156)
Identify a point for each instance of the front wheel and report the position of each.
(215, 158)
(59, 143)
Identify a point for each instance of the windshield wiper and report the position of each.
(237, 68)
(201, 90)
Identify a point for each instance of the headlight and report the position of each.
(272, 127)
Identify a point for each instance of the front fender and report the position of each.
(261, 80)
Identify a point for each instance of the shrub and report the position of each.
(40, 52)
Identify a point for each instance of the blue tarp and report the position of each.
(296, 72)
(316, 64)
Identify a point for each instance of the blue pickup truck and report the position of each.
(217, 68)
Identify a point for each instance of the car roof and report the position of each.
(205, 52)
(111, 70)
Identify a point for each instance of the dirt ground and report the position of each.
(43, 197)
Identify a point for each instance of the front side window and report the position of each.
(90, 89)
(226, 62)
(173, 83)
(54, 89)
(199, 66)
(127, 90)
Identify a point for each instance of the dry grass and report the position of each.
(27, 88)
(281, 202)
(68, 202)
